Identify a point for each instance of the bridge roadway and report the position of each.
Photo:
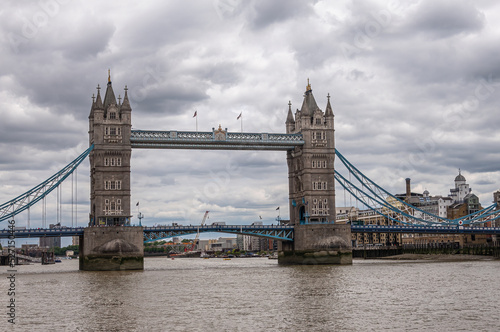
(278, 232)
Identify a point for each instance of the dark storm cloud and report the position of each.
(414, 89)
(442, 19)
(266, 13)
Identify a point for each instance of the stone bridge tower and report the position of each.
(113, 247)
(317, 239)
(310, 167)
(109, 130)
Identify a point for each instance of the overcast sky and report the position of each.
(414, 85)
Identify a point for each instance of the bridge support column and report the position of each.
(112, 248)
(316, 244)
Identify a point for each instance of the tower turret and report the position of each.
(290, 122)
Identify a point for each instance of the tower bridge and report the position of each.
(310, 149)
(314, 235)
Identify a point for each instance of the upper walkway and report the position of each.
(214, 140)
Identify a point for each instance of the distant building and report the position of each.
(224, 244)
(459, 203)
(75, 240)
(51, 242)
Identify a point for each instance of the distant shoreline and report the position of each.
(438, 257)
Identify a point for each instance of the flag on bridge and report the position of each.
(195, 114)
(137, 204)
(278, 208)
(239, 116)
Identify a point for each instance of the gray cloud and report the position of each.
(414, 91)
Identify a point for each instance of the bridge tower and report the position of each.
(112, 247)
(109, 130)
(318, 240)
(310, 167)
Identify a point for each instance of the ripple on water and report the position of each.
(254, 294)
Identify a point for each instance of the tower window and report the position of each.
(112, 115)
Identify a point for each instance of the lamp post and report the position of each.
(140, 216)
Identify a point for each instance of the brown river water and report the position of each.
(256, 294)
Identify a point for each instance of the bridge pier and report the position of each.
(316, 244)
(112, 248)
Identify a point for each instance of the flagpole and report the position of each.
(196, 118)
(138, 213)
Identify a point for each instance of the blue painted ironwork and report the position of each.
(215, 140)
(151, 234)
(382, 202)
(24, 201)
(277, 232)
(424, 229)
(42, 232)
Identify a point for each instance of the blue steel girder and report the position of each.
(24, 201)
(215, 140)
(424, 229)
(278, 232)
(382, 202)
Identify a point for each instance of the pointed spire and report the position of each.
(126, 104)
(309, 104)
(98, 101)
(289, 118)
(91, 115)
(109, 97)
(328, 110)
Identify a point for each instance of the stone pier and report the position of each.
(316, 244)
(112, 248)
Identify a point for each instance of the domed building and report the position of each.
(461, 189)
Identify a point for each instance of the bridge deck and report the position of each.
(278, 232)
(215, 140)
(424, 229)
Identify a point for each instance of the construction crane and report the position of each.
(195, 241)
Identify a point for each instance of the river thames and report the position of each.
(256, 294)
